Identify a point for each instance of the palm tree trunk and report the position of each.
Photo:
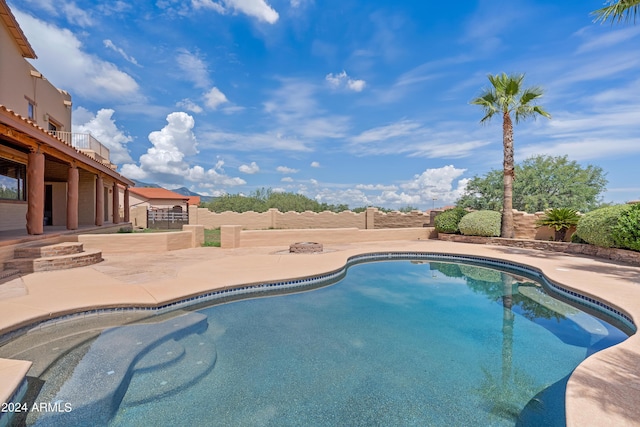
(507, 206)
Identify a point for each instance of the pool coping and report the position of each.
(585, 403)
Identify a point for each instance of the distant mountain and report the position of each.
(182, 190)
(186, 192)
(141, 184)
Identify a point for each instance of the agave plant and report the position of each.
(560, 219)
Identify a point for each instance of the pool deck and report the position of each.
(603, 390)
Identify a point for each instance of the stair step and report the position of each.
(51, 250)
(58, 262)
(8, 273)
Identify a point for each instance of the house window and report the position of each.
(12, 180)
(52, 126)
(31, 110)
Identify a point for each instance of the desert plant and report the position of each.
(505, 96)
(626, 233)
(596, 227)
(447, 221)
(560, 219)
(481, 223)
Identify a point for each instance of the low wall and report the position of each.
(273, 218)
(614, 254)
(144, 242)
(232, 236)
(400, 219)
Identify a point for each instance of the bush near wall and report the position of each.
(626, 233)
(597, 227)
(447, 221)
(481, 223)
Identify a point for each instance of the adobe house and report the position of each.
(143, 199)
(48, 175)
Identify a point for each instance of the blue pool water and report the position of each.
(395, 343)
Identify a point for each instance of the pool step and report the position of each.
(97, 384)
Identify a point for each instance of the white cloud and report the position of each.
(103, 127)
(606, 40)
(109, 44)
(284, 169)
(208, 4)
(296, 112)
(287, 179)
(267, 141)
(193, 68)
(62, 59)
(371, 187)
(165, 163)
(71, 11)
(250, 169)
(315, 164)
(259, 9)
(342, 80)
(448, 140)
(443, 184)
(189, 105)
(215, 98)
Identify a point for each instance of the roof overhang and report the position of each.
(12, 25)
(27, 134)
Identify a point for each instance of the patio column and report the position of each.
(35, 193)
(126, 205)
(116, 203)
(99, 201)
(72, 197)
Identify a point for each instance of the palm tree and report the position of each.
(507, 95)
(617, 10)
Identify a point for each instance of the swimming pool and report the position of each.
(393, 343)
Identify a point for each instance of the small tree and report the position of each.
(561, 220)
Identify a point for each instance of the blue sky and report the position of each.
(356, 102)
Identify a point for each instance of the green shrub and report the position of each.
(560, 219)
(596, 227)
(576, 239)
(481, 223)
(447, 221)
(626, 233)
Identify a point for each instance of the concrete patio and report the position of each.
(603, 390)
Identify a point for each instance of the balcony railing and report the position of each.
(84, 141)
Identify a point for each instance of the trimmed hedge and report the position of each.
(626, 233)
(447, 221)
(597, 227)
(481, 223)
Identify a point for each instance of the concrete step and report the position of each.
(58, 262)
(8, 274)
(51, 250)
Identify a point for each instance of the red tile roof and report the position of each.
(157, 193)
(194, 200)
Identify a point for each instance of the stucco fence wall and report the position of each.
(372, 218)
(233, 236)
